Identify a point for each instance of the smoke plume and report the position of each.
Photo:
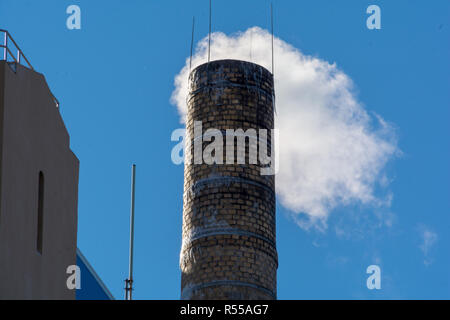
(332, 151)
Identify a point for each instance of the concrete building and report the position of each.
(38, 188)
(229, 245)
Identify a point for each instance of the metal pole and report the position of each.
(273, 65)
(129, 281)
(209, 36)
(192, 43)
(251, 41)
(271, 24)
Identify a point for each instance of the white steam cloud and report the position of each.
(429, 239)
(332, 152)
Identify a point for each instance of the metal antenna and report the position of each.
(273, 68)
(209, 36)
(251, 41)
(192, 42)
(129, 281)
(271, 24)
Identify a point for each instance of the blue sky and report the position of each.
(114, 79)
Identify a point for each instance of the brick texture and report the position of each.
(229, 245)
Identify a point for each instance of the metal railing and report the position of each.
(8, 55)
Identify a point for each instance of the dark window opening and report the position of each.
(40, 224)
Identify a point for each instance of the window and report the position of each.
(40, 220)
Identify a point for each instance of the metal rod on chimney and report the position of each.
(192, 43)
(129, 281)
(209, 35)
(271, 26)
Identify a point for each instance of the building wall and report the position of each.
(33, 140)
(229, 249)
